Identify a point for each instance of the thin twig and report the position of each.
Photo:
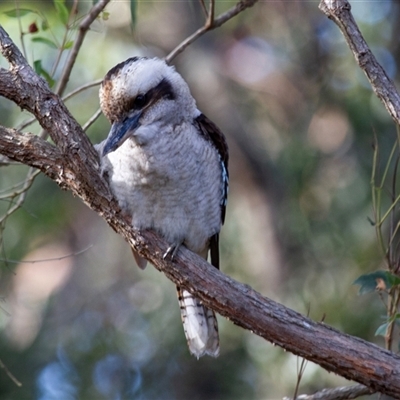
(303, 364)
(20, 27)
(393, 306)
(217, 22)
(203, 6)
(300, 372)
(211, 12)
(83, 29)
(64, 39)
(10, 375)
(82, 88)
(391, 254)
(32, 173)
(47, 259)
(12, 191)
(25, 124)
(92, 120)
(339, 393)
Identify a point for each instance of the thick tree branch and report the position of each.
(350, 357)
(33, 151)
(339, 11)
(24, 87)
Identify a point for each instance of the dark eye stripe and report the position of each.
(141, 101)
(163, 89)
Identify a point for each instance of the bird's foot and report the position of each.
(172, 250)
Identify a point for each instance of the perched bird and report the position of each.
(167, 165)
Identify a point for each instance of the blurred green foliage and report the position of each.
(301, 122)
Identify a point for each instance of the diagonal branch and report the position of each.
(348, 356)
(339, 11)
(210, 24)
(83, 29)
(25, 88)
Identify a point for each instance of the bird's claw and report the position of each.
(171, 251)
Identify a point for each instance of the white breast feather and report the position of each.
(171, 185)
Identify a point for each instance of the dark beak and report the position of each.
(120, 131)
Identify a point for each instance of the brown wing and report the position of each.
(212, 133)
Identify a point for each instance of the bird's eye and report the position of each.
(139, 101)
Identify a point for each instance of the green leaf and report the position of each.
(45, 25)
(62, 11)
(371, 282)
(394, 280)
(37, 65)
(18, 13)
(381, 331)
(133, 12)
(68, 45)
(46, 41)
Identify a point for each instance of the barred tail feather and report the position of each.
(200, 325)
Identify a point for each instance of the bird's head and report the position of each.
(142, 93)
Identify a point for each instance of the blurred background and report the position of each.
(300, 120)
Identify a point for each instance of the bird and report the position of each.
(167, 165)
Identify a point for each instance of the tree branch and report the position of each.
(348, 356)
(339, 11)
(83, 29)
(33, 151)
(29, 91)
(339, 393)
(9, 374)
(210, 24)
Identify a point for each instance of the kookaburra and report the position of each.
(167, 165)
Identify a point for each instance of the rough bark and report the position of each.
(31, 150)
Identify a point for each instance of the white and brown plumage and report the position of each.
(167, 166)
